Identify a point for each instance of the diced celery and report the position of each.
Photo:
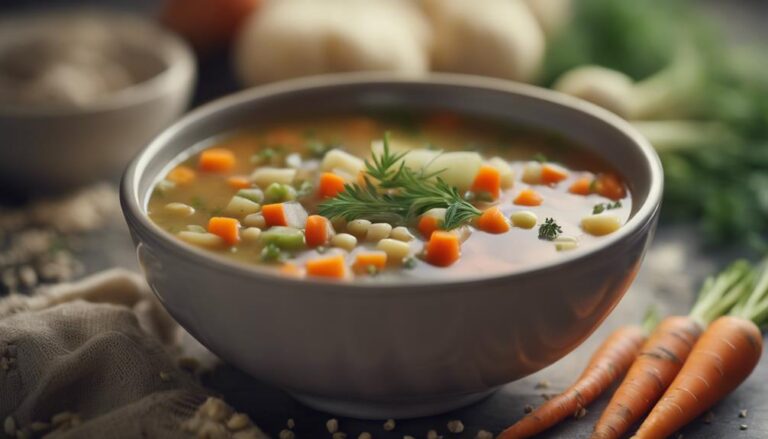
(286, 238)
(279, 192)
(253, 194)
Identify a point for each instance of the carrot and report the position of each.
(487, 180)
(290, 269)
(181, 175)
(274, 214)
(330, 185)
(666, 350)
(552, 174)
(365, 260)
(582, 186)
(610, 186)
(607, 364)
(227, 229)
(330, 266)
(443, 248)
(493, 221)
(217, 160)
(723, 358)
(528, 197)
(428, 224)
(317, 231)
(239, 182)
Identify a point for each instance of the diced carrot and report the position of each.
(443, 248)
(528, 197)
(488, 180)
(283, 137)
(330, 185)
(493, 221)
(217, 160)
(365, 260)
(317, 231)
(181, 175)
(582, 186)
(227, 229)
(610, 186)
(274, 214)
(427, 225)
(330, 266)
(239, 182)
(290, 269)
(552, 174)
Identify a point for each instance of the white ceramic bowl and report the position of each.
(406, 349)
(55, 147)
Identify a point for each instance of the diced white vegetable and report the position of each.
(532, 173)
(565, 243)
(401, 233)
(180, 209)
(266, 176)
(254, 194)
(207, 240)
(239, 207)
(338, 159)
(377, 232)
(358, 227)
(505, 172)
(396, 250)
(601, 224)
(255, 220)
(437, 212)
(462, 232)
(458, 168)
(525, 219)
(293, 160)
(345, 241)
(348, 178)
(295, 215)
(416, 158)
(250, 234)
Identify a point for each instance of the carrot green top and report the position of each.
(754, 304)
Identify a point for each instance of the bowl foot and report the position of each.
(390, 410)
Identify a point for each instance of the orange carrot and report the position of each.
(239, 182)
(607, 365)
(317, 231)
(227, 229)
(487, 180)
(722, 359)
(217, 160)
(365, 260)
(274, 214)
(552, 174)
(428, 224)
(443, 248)
(493, 221)
(290, 269)
(582, 186)
(528, 197)
(330, 266)
(181, 175)
(330, 185)
(610, 186)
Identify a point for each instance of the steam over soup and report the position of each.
(390, 197)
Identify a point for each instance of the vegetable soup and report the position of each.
(385, 197)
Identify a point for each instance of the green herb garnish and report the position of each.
(540, 157)
(549, 230)
(602, 207)
(271, 253)
(401, 196)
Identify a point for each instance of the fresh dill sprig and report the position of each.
(402, 194)
(602, 207)
(549, 230)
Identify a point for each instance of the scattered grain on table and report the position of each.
(389, 425)
(455, 426)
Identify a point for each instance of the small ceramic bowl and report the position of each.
(405, 349)
(52, 146)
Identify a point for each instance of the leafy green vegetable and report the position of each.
(602, 207)
(549, 230)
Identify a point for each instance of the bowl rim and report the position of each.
(176, 55)
(138, 221)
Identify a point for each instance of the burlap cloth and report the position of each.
(99, 358)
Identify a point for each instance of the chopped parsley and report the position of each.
(549, 230)
(602, 207)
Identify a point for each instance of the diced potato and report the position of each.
(396, 250)
(565, 243)
(358, 227)
(239, 207)
(401, 233)
(416, 158)
(345, 241)
(525, 219)
(505, 172)
(295, 214)
(601, 224)
(250, 234)
(338, 159)
(377, 232)
(207, 240)
(458, 168)
(265, 176)
(255, 220)
(437, 212)
(463, 232)
(532, 173)
(180, 209)
(293, 160)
